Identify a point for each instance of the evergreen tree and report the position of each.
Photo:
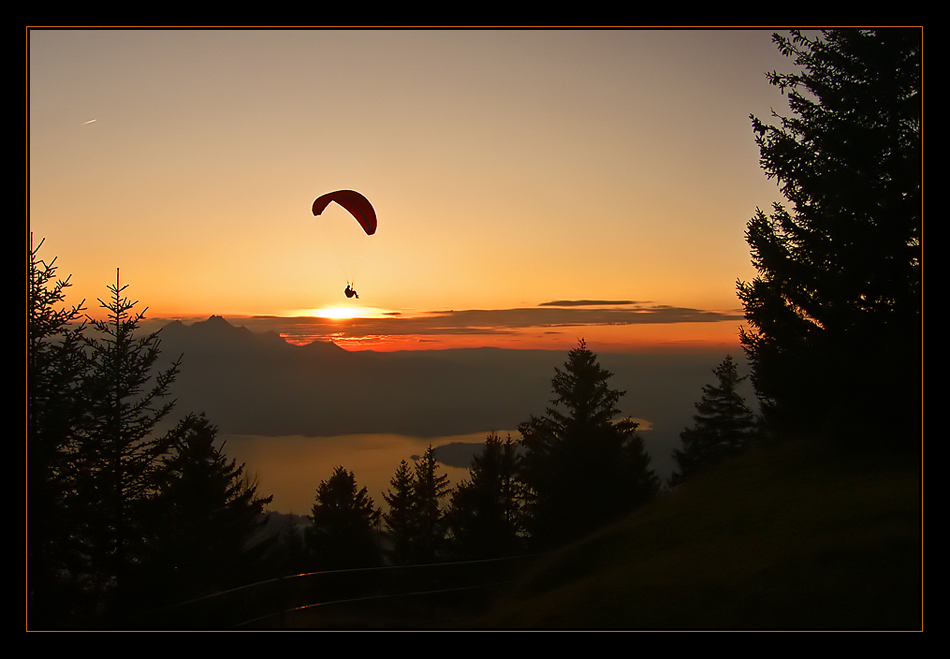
(55, 367)
(401, 518)
(835, 312)
(343, 534)
(586, 465)
(484, 516)
(117, 449)
(723, 425)
(429, 488)
(206, 512)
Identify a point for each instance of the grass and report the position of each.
(791, 538)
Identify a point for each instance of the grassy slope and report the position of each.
(789, 538)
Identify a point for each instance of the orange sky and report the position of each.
(509, 169)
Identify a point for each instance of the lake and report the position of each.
(291, 467)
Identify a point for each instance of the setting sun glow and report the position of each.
(337, 313)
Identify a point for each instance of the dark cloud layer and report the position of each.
(560, 314)
(586, 303)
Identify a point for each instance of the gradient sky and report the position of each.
(509, 169)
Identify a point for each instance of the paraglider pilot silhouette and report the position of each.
(359, 207)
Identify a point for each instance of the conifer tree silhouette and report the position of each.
(429, 488)
(117, 447)
(343, 534)
(723, 425)
(55, 367)
(401, 519)
(204, 514)
(484, 516)
(835, 312)
(585, 465)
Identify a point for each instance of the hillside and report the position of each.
(789, 538)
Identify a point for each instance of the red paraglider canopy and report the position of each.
(358, 206)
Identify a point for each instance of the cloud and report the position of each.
(585, 303)
(494, 322)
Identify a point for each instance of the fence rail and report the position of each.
(436, 595)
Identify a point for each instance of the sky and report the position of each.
(532, 186)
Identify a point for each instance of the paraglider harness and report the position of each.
(350, 291)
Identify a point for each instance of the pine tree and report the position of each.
(55, 368)
(206, 513)
(484, 516)
(723, 425)
(429, 488)
(343, 534)
(401, 522)
(835, 312)
(586, 465)
(117, 449)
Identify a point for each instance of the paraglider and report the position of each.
(359, 207)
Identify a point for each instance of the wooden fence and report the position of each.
(432, 596)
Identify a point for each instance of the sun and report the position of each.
(338, 313)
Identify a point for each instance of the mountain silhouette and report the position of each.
(251, 383)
